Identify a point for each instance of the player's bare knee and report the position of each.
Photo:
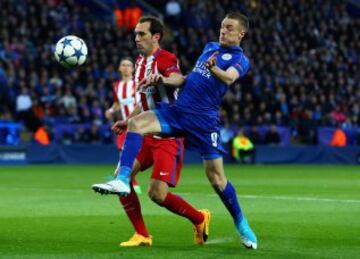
(157, 194)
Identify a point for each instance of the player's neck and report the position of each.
(230, 46)
(235, 44)
(126, 78)
(153, 51)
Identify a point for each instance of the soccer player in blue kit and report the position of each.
(195, 115)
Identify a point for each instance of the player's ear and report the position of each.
(156, 37)
(241, 35)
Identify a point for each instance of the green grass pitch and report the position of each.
(297, 212)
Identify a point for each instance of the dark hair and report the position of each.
(242, 19)
(156, 25)
(126, 58)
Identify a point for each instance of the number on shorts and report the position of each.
(214, 139)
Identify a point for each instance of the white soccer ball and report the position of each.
(71, 51)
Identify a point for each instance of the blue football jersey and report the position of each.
(202, 91)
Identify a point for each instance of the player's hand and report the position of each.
(119, 127)
(211, 62)
(144, 83)
(156, 79)
(153, 79)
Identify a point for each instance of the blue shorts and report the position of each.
(201, 132)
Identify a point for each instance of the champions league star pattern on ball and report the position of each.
(71, 51)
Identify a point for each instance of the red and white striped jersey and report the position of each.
(164, 63)
(125, 94)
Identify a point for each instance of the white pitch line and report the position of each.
(219, 240)
(42, 189)
(288, 198)
(297, 198)
(255, 197)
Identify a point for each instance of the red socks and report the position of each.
(182, 208)
(172, 202)
(132, 208)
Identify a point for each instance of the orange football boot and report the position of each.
(201, 231)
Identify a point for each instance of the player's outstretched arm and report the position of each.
(174, 79)
(228, 76)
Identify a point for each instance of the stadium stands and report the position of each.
(304, 73)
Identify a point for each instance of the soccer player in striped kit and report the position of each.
(125, 99)
(165, 154)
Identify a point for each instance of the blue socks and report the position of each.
(133, 143)
(228, 197)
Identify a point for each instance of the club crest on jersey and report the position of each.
(226, 56)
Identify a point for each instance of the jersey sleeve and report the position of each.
(242, 65)
(167, 64)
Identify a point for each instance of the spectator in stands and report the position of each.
(337, 115)
(82, 135)
(73, 115)
(48, 99)
(68, 100)
(67, 138)
(23, 100)
(254, 136)
(94, 134)
(27, 116)
(272, 136)
(97, 112)
(302, 80)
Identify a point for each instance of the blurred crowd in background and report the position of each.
(305, 61)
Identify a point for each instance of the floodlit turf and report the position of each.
(296, 211)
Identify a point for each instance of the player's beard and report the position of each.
(141, 49)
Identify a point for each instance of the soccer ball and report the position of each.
(71, 51)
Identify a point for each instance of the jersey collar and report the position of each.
(232, 48)
(157, 52)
